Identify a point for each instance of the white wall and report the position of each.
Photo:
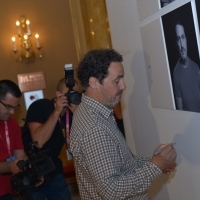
(146, 127)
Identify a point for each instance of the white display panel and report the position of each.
(32, 96)
(143, 121)
(160, 86)
(147, 7)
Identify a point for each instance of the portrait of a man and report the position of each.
(183, 56)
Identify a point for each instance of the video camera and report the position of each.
(73, 97)
(37, 165)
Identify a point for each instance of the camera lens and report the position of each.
(73, 97)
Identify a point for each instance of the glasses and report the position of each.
(9, 107)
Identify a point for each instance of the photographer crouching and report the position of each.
(49, 122)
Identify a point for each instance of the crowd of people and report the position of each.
(105, 166)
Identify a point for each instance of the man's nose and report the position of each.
(123, 85)
(12, 111)
(181, 43)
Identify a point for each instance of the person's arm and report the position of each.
(105, 161)
(9, 167)
(42, 132)
(179, 103)
(20, 154)
(166, 164)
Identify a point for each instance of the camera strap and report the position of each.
(66, 133)
(66, 128)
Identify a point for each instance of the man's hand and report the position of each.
(13, 168)
(170, 169)
(166, 159)
(60, 101)
(40, 181)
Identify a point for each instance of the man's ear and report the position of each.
(93, 82)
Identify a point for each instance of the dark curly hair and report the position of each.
(95, 64)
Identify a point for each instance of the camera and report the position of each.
(73, 97)
(37, 165)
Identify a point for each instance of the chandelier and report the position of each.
(21, 42)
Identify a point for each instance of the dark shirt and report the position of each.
(186, 82)
(39, 111)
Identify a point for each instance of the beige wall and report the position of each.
(145, 125)
(52, 20)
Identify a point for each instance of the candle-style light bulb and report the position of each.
(14, 44)
(28, 27)
(37, 41)
(18, 27)
(17, 23)
(13, 39)
(26, 43)
(25, 37)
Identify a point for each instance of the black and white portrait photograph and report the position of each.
(183, 57)
(165, 2)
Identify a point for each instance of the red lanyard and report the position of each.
(67, 130)
(7, 137)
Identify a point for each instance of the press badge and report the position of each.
(11, 158)
(69, 155)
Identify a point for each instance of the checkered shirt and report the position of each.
(105, 166)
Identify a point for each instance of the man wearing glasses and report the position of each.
(11, 147)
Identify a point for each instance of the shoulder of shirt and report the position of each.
(40, 102)
(177, 66)
(95, 107)
(192, 62)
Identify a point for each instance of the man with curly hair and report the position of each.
(105, 166)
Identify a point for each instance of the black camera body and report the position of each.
(73, 97)
(37, 165)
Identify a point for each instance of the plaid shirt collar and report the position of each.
(95, 105)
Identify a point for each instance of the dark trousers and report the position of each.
(8, 197)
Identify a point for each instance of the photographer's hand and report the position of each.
(40, 181)
(60, 102)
